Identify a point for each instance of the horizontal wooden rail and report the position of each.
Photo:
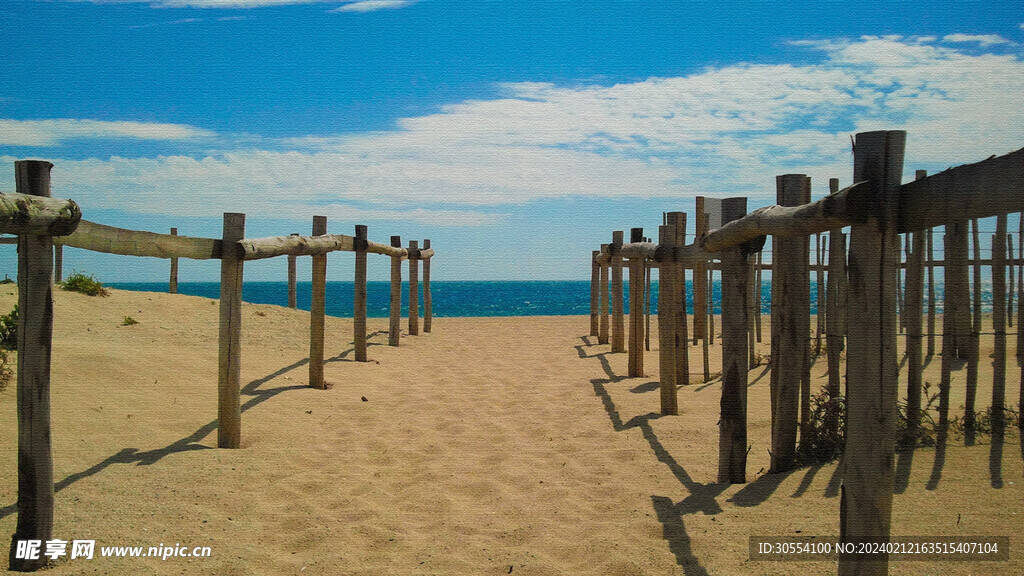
(259, 248)
(987, 188)
(111, 240)
(38, 215)
(843, 208)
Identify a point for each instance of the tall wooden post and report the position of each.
(835, 330)
(636, 309)
(957, 287)
(229, 409)
(700, 278)
(414, 288)
(668, 302)
(751, 312)
(872, 368)
(316, 311)
(359, 297)
(1009, 285)
(595, 292)
(428, 302)
(819, 288)
(678, 221)
(647, 305)
(974, 356)
(999, 327)
(757, 294)
(602, 300)
(173, 284)
(618, 322)
(35, 330)
(292, 277)
(791, 316)
(913, 316)
(732, 438)
(395, 326)
(930, 241)
(1020, 316)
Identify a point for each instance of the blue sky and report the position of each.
(514, 134)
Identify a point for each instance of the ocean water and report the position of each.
(525, 298)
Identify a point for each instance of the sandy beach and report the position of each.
(490, 446)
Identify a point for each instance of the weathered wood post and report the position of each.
(757, 295)
(835, 329)
(35, 331)
(292, 277)
(414, 288)
(973, 358)
(913, 317)
(1009, 285)
(751, 312)
(647, 304)
(930, 240)
(58, 264)
(700, 278)
(677, 220)
(957, 287)
(395, 325)
(173, 283)
(1020, 318)
(872, 368)
(732, 438)
(316, 311)
(819, 287)
(999, 327)
(636, 309)
(359, 298)
(602, 300)
(618, 321)
(428, 303)
(229, 409)
(595, 292)
(791, 316)
(668, 302)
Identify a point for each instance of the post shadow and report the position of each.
(904, 463)
(940, 462)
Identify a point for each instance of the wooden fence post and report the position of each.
(395, 326)
(957, 287)
(835, 330)
(58, 264)
(757, 295)
(172, 287)
(317, 308)
(999, 327)
(636, 309)
(732, 438)
(821, 315)
(428, 311)
(618, 327)
(930, 241)
(595, 292)
(414, 288)
(35, 330)
(700, 279)
(359, 298)
(678, 221)
(668, 301)
(912, 317)
(1009, 285)
(791, 315)
(229, 410)
(602, 300)
(292, 278)
(872, 368)
(973, 358)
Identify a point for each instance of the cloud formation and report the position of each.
(722, 131)
(54, 132)
(372, 5)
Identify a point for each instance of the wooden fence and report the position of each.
(43, 223)
(865, 276)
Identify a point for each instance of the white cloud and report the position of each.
(372, 5)
(722, 131)
(982, 39)
(53, 132)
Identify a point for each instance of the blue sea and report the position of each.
(497, 298)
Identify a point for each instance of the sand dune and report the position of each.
(491, 446)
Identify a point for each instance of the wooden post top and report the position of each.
(319, 225)
(426, 243)
(617, 237)
(396, 241)
(636, 234)
(360, 242)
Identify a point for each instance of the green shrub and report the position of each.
(9, 329)
(824, 440)
(88, 285)
(129, 321)
(5, 370)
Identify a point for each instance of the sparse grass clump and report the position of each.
(823, 440)
(9, 329)
(129, 321)
(88, 285)
(5, 370)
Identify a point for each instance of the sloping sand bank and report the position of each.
(491, 446)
